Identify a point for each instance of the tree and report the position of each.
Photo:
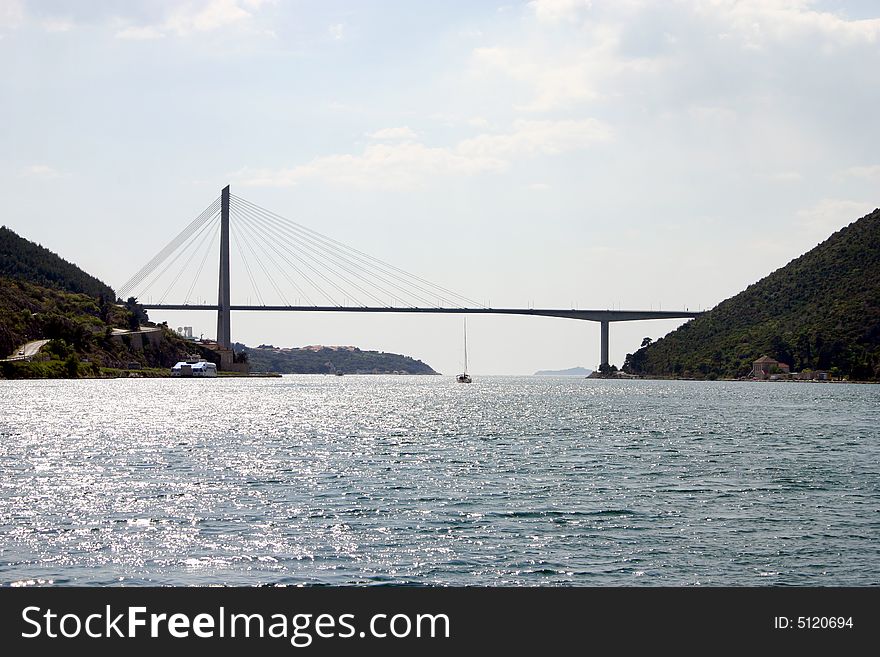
(71, 366)
(138, 314)
(646, 342)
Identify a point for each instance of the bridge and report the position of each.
(303, 256)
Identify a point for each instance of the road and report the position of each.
(27, 351)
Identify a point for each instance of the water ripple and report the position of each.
(380, 481)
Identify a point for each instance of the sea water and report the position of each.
(371, 480)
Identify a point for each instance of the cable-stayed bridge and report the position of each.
(300, 270)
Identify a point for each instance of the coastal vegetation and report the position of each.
(329, 360)
(24, 260)
(819, 312)
(44, 297)
(80, 333)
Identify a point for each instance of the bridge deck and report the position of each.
(570, 313)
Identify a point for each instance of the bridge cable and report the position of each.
(315, 269)
(348, 256)
(339, 260)
(179, 252)
(264, 246)
(168, 249)
(321, 274)
(333, 267)
(201, 266)
(338, 254)
(263, 267)
(335, 264)
(213, 227)
(284, 273)
(233, 228)
(350, 265)
(376, 262)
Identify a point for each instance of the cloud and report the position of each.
(870, 172)
(534, 137)
(564, 77)
(11, 13)
(409, 163)
(785, 177)
(145, 33)
(210, 16)
(337, 31)
(830, 215)
(43, 171)
(554, 11)
(573, 52)
(58, 25)
(760, 22)
(391, 134)
(133, 20)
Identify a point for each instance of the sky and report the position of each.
(554, 153)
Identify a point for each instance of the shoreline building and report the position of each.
(766, 366)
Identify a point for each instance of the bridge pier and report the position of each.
(603, 347)
(224, 316)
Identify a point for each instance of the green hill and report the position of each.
(44, 297)
(80, 330)
(329, 360)
(24, 260)
(821, 311)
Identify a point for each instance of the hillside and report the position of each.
(44, 297)
(80, 330)
(329, 360)
(821, 311)
(24, 260)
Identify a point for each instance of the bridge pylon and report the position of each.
(224, 316)
(603, 342)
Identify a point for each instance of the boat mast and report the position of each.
(465, 345)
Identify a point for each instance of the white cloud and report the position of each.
(185, 19)
(785, 177)
(561, 78)
(554, 11)
(392, 134)
(470, 33)
(830, 215)
(43, 171)
(533, 137)
(758, 22)
(409, 163)
(139, 33)
(210, 16)
(11, 13)
(571, 52)
(714, 114)
(337, 31)
(58, 25)
(134, 20)
(870, 172)
(538, 187)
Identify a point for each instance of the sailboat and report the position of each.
(464, 377)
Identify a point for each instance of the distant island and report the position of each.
(571, 371)
(321, 359)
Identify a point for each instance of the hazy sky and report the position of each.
(553, 153)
